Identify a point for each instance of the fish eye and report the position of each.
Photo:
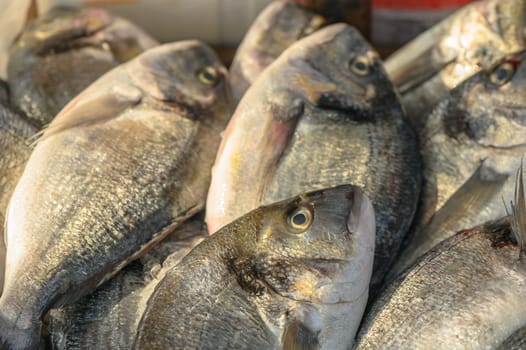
(360, 65)
(502, 74)
(208, 76)
(300, 219)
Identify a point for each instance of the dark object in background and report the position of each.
(354, 12)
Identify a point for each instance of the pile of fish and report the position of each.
(309, 197)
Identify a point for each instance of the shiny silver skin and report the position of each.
(119, 168)
(312, 121)
(472, 145)
(109, 318)
(472, 39)
(466, 293)
(15, 134)
(266, 282)
(62, 52)
(277, 27)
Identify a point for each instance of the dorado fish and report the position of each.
(291, 275)
(472, 145)
(15, 134)
(323, 114)
(109, 318)
(466, 293)
(278, 26)
(120, 167)
(472, 39)
(64, 51)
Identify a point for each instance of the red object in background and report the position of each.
(419, 4)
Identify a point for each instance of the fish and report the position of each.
(15, 149)
(291, 275)
(277, 27)
(109, 317)
(471, 40)
(324, 113)
(472, 145)
(62, 52)
(466, 293)
(120, 167)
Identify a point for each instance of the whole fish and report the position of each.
(61, 53)
(291, 275)
(323, 114)
(277, 27)
(109, 318)
(15, 133)
(472, 39)
(472, 145)
(466, 293)
(119, 168)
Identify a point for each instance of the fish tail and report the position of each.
(12, 337)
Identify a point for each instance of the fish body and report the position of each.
(293, 274)
(466, 293)
(472, 39)
(109, 318)
(120, 167)
(473, 143)
(15, 133)
(323, 114)
(62, 52)
(277, 27)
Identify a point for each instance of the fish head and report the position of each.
(472, 39)
(319, 246)
(278, 26)
(336, 68)
(65, 29)
(187, 76)
(490, 107)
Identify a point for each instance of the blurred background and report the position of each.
(386, 23)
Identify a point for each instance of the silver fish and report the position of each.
(119, 168)
(61, 53)
(291, 275)
(472, 39)
(277, 27)
(466, 293)
(323, 114)
(473, 142)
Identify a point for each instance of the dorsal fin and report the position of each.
(518, 212)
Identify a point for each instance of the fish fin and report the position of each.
(518, 212)
(92, 106)
(301, 330)
(470, 199)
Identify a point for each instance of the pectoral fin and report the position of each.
(92, 106)
(299, 333)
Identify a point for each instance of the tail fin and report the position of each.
(14, 338)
